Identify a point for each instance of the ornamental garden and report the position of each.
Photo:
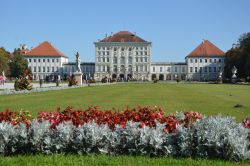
(205, 121)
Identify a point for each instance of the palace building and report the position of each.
(46, 62)
(125, 56)
(205, 62)
(122, 55)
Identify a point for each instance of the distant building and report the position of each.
(123, 55)
(168, 71)
(88, 69)
(46, 62)
(205, 62)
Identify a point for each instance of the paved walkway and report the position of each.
(35, 85)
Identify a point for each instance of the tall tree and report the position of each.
(239, 57)
(4, 61)
(18, 64)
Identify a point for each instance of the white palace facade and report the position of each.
(126, 56)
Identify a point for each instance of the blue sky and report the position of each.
(174, 27)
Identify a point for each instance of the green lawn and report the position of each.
(209, 99)
(85, 160)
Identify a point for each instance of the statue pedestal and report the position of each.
(234, 79)
(78, 77)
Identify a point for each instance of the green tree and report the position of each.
(4, 61)
(18, 64)
(239, 57)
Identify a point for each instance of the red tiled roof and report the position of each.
(44, 49)
(206, 48)
(123, 36)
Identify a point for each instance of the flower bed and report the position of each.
(137, 131)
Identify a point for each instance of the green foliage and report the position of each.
(18, 64)
(72, 81)
(24, 82)
(239, 57)
(3, 61)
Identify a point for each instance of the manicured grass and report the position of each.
(209, 99)
(109, 160)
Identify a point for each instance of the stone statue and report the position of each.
(78, 63)
(3, 75)
(234, 71)
(234, 77)
(220, 77)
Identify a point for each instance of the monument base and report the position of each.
(78, 77)
(234, 80)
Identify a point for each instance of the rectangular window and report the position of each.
(34, 69)
(215, 69)
(168, 69)
(220, 60)
(191, 69)
(53, 69)
(205, 69)
(53, 60)
(57, 60)
(47, 69)
(29, 60)
(44, 69)
(191, 60)
(175, 69)
(201, 69)
(43, 60)
(57, 69)
(39, 60)
(141, 68)
(195, 60)
(34, 60)
(200, 60)
(39, 69)
(210, 60)
(214, 60)
(195, 69)
(107, 59)
(209, 69)
(183, 69)
(47, 60)
(153, 69)
(205, 60)
(160, 69)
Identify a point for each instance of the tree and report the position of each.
(239, 57)
(3, 61)
(18, 64)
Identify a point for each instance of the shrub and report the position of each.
(92, 81)
(24, 82)
(72, 81)
(214, 137)
(137, 131)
